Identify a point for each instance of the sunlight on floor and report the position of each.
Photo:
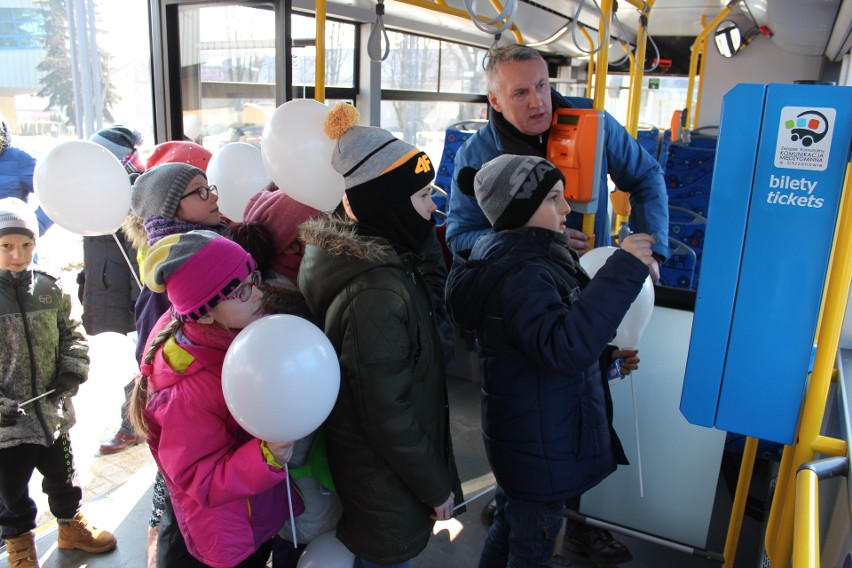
(453, 527)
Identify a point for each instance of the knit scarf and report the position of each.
(568, 258)
(158, 227)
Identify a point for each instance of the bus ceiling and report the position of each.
(800, 27)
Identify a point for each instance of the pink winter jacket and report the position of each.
(227, 500)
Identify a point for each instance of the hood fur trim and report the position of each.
(135, 232)
(339, 238)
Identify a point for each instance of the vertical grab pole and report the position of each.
(813, 410)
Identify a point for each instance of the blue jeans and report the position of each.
(523, 534)
(361, 563)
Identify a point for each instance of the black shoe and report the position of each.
(598, 545)
(487, 514)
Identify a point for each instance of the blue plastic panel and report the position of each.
(795, 199)
(732, 176)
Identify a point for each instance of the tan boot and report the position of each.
(80, 534)
(22, 551)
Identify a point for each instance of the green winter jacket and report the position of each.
(388, 437)
(40, 341)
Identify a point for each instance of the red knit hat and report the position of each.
(180, 151)
(281, 216)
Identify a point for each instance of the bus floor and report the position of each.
(117, 496)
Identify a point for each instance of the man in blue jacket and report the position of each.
(522, 103)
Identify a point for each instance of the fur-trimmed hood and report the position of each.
(338, 237)
(335, 254)
(135, 232)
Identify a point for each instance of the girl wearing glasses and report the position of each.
(228, 489)
(172, 197)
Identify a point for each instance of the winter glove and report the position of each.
(64, 385)
(10, 412)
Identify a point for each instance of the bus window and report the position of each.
(227, 73)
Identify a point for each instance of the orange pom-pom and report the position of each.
(339, 119)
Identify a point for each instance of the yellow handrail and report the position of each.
(590, 68)
(693, 119)
(806, 545)
(601, 64)
(806, 535)
(444, 9)
(779, 535)
(696, 52)
(319, 92)
(735, 525)
(602, 59)
(637, 72)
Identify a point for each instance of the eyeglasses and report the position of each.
(203, 192)
(246, 289)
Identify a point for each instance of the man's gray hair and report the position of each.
(511, 53)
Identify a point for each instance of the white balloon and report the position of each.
(325, 551)
(297, 154)
(83, 188)
(638, 315)
(280, 378)
(595, 258)
(238, 172)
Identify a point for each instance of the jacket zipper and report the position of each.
(33, 379)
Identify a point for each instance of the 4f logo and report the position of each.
(526, 178)
(423, 164)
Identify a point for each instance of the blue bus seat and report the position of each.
(679, 270)
(649, 138)
(690, 229)
(456, 135)
(688, 176)
(704, 137)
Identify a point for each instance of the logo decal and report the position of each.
(804, 138)
(423, 165)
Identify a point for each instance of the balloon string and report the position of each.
(477, 496)
(636, 424)
(127, 260)
(290, 504)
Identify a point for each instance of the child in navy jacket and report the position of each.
(543, 328)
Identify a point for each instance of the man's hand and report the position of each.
(63, 386)
(444, 512)
(577, 240)
(10, 412)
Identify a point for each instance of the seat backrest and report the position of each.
(679, 270)
(649, 138)
(456, 135)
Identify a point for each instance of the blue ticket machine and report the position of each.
(780, 165)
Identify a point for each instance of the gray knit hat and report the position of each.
(510, 188)
(377, 167)
(119, 140)
(16, 218)
(158, 190)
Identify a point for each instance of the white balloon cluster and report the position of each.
(83, 188)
